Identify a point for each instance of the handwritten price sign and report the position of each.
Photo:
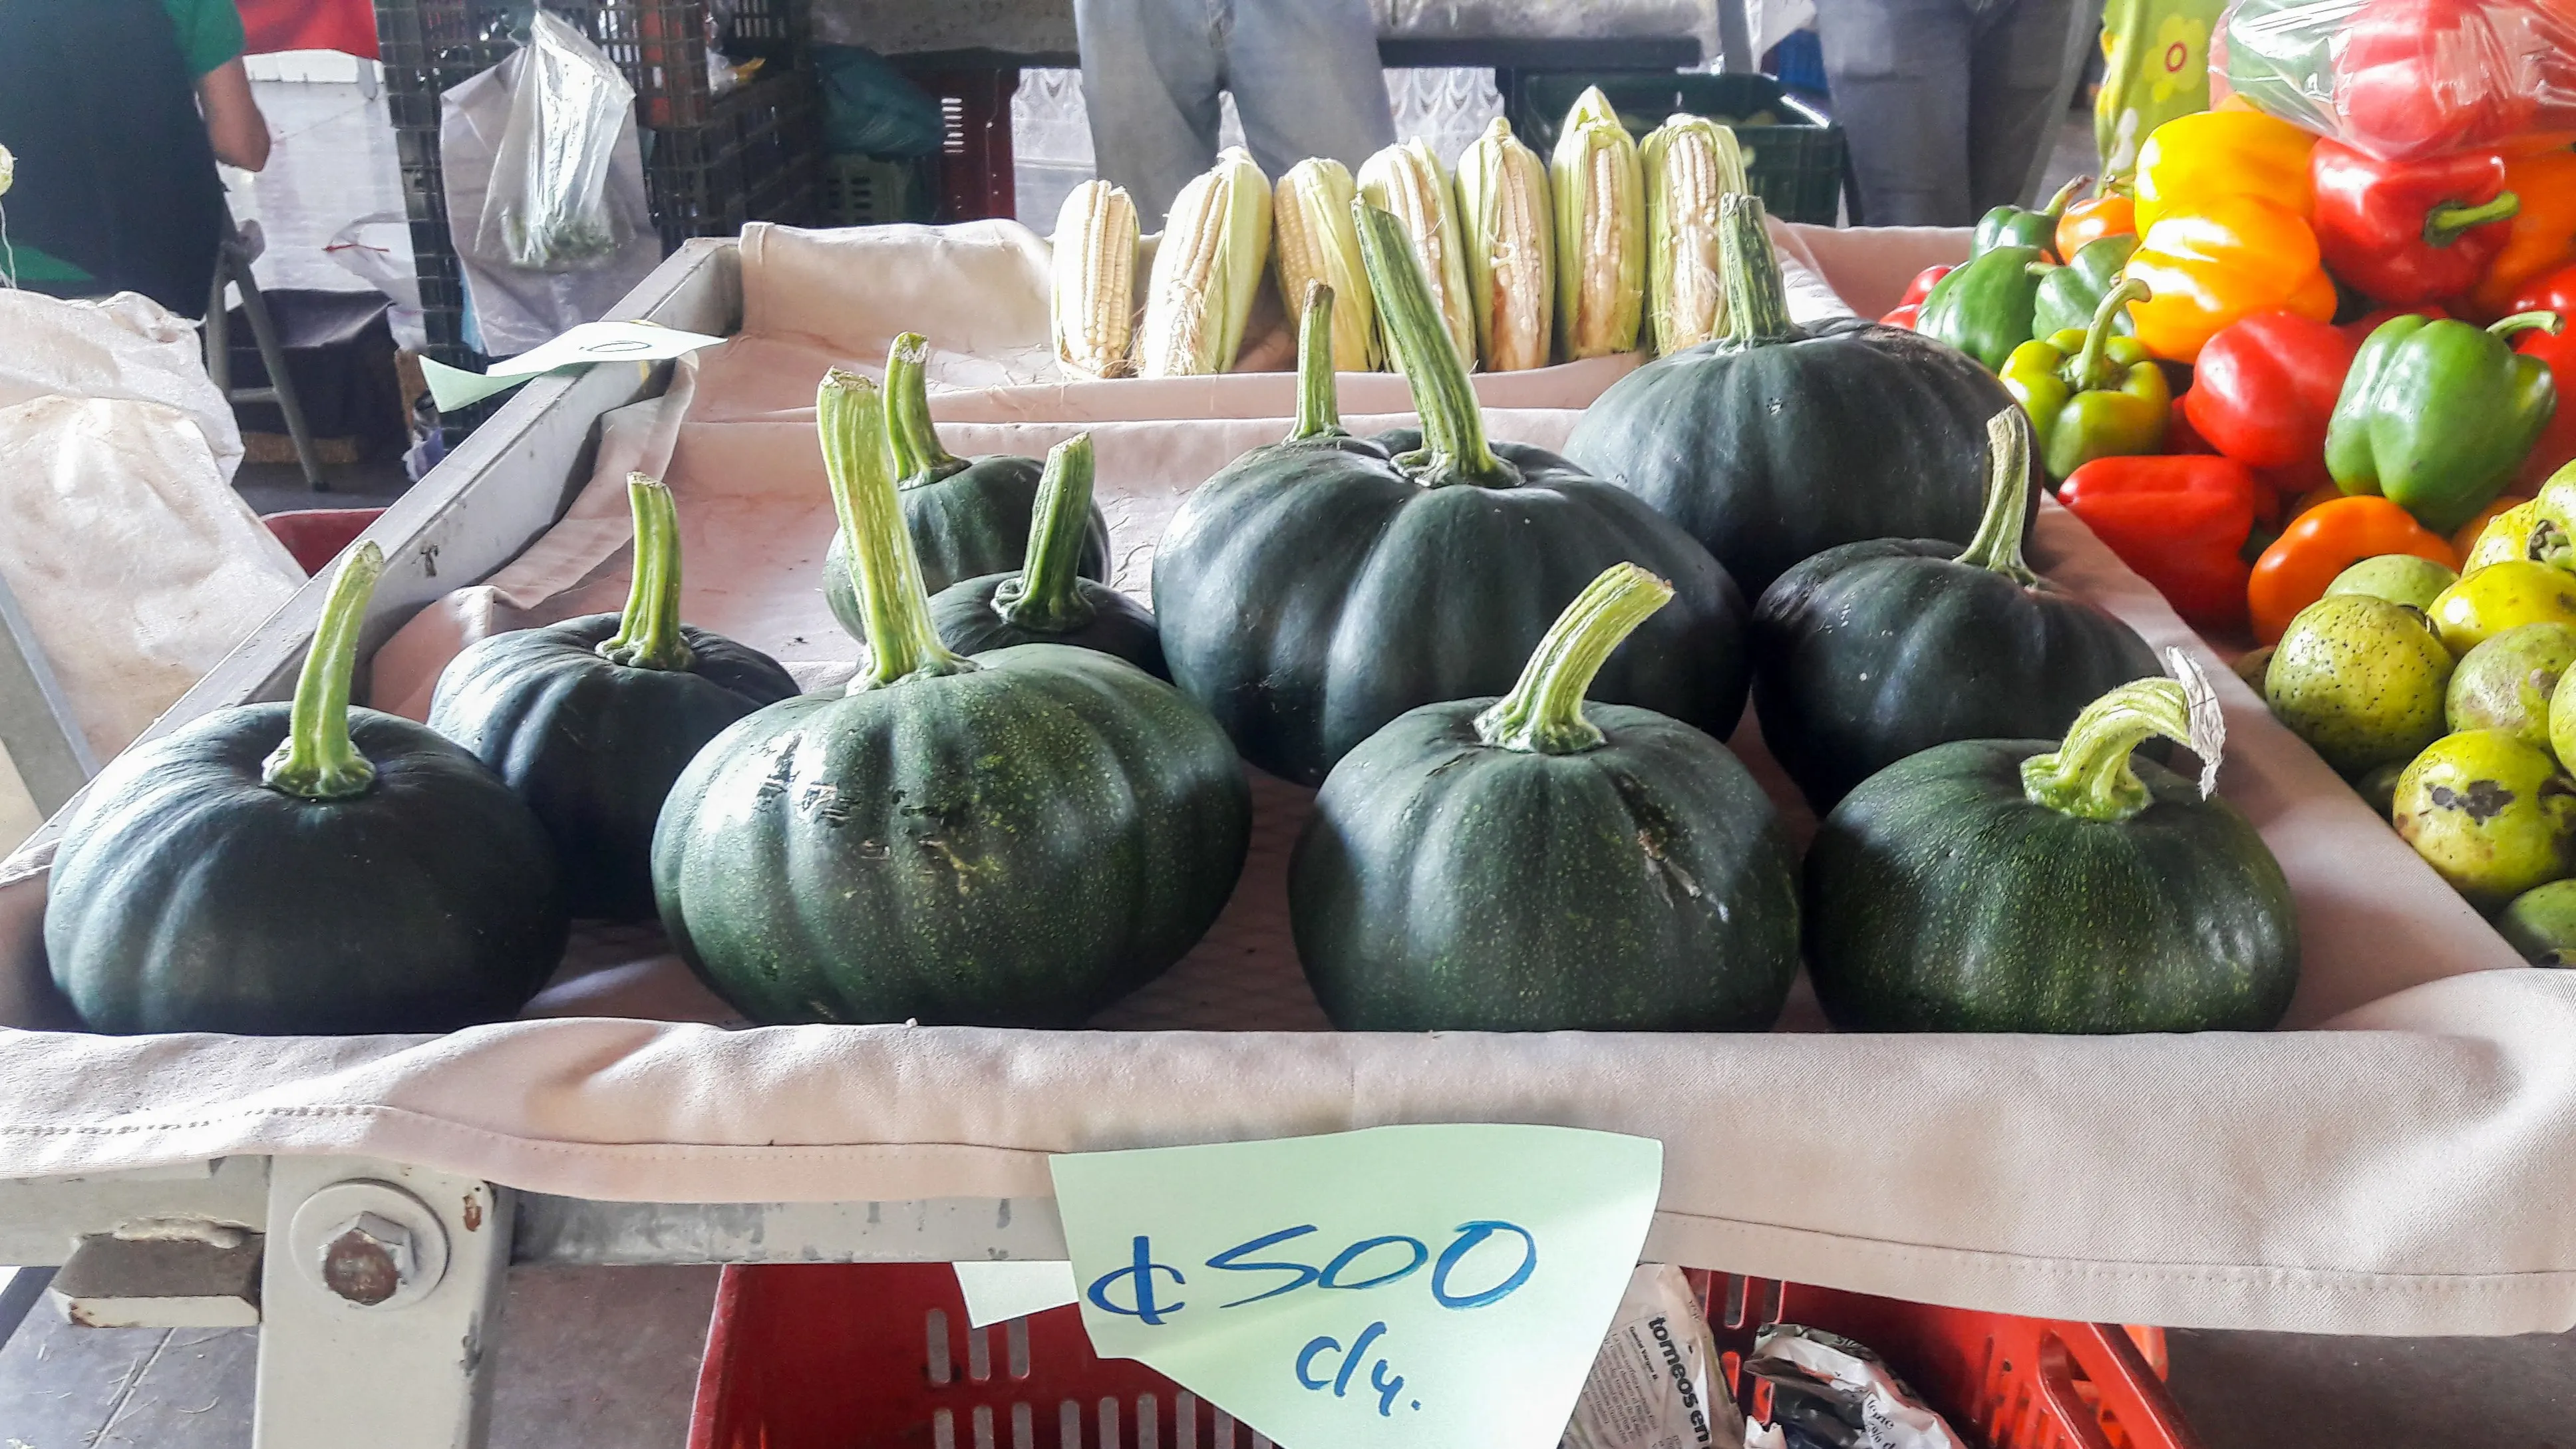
(1417, 1286)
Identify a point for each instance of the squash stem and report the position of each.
(1544, 712)
(1319, 408)
(1453, 425)
(918, 455)
(1757, 300)
(1997, 545)
(2089, 776)
(648, 634)
(883, 567)
(317, 760)
(1046, 597)
(2088, 361)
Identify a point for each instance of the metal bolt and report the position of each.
(367, 1259)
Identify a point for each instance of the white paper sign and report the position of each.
(454, 387)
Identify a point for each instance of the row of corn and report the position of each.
(1609, 246)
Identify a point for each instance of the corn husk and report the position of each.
(1599, 193)
(1409, 181)
(1094, 308)
(1510, 249)
(1207, 268)
(1690, 164)
(1314, 242)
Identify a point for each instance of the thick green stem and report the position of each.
(1757, 300)
(2088, 776)
(1047, 595)
(2444, 225)
(918, 456)
(856, 448)
(2525, 322)
(317, 759)
(2088, 363)
(1453, 425)
(1544, 711)
(1319, 406)
(648, 634)
(2065, 197)
(1997, 545)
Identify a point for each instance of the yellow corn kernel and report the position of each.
(1510, 249)
(1095, 281)
(1316, 242)
(1206, 269)
(1690, 163)
(1599, 193)
(1409, 181)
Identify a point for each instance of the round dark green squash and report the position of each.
(2033, 886)
(1045, 601)
(1779, 441)
(303, 869)
(590, 720)
(1536, 864)
(1017, 839)
(969, 516)
(1316, 588)
(1869, 652)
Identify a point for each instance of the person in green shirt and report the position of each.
(117, 110)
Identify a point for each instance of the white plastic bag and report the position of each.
(379, 268)
(550, 207)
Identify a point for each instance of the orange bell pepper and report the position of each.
(2542, 235)
(2193, 160)
(2226, 258)
(2323, 542)
(2087, 222)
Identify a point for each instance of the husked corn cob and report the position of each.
(1095, 281)
(1409, 181)
(1690, 163)
(1206, 269)
(1599, 192)
(1510, 249)
(1311, 214)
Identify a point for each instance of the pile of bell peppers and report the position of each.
(2280, 348)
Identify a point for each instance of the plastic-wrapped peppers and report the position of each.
(2410, 231)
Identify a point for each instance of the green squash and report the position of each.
(1534, 864)
(1870, 652)
(590, 720)
(1779, 441)
(968, 517)
(1317, 588)
(2022, 885)
(1045, 601)
(303, 869)
(1017, 839)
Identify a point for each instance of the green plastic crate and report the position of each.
(1794, 156)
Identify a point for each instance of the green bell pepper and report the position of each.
(2089, 394)
(1984, 309)
(2069, 296)
(2019, 226)
(2437, 414)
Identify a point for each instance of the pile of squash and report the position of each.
(1510, 673)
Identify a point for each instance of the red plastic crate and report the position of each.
(975, 176)
(315, 536)
(878, 1356)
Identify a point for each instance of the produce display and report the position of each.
(303, 869)
(1047, 601)
(590, 720)
(1534, 863)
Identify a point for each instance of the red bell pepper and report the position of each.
(2265, 387)
(2552, 292)
(1910, 306)
(2410, 231)
(2557, 445)
(2182, 522)
(2422, 77)
(2360, 328)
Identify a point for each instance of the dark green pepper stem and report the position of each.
(2088, 776)
(1757, 299)
(883, 567)
(1453, 425)
(2088, 363)
(1997, 546)
(1319, 406)
(1544, 712)
(2444, 225)
(918, 455)
(1046, 596)
(648, 633)
(317, 760)
(2525, 322)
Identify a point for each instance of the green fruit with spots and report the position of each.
(2033, 885)
(2507, 682)
(2562, 719)
(2400, 578)
(2378, 786)
(968, 517)
(2494, 816)
(1534, 863)
(2541, 924)
(2361, 680)
(1017, 839)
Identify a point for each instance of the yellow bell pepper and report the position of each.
(2220, 260)
(2195, 159)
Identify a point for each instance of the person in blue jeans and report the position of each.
(1946, 103)
(1304, 73)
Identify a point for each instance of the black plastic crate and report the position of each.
(1794, 156)
(429, 45)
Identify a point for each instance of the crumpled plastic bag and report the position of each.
(551, 207)
(2403, 79)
